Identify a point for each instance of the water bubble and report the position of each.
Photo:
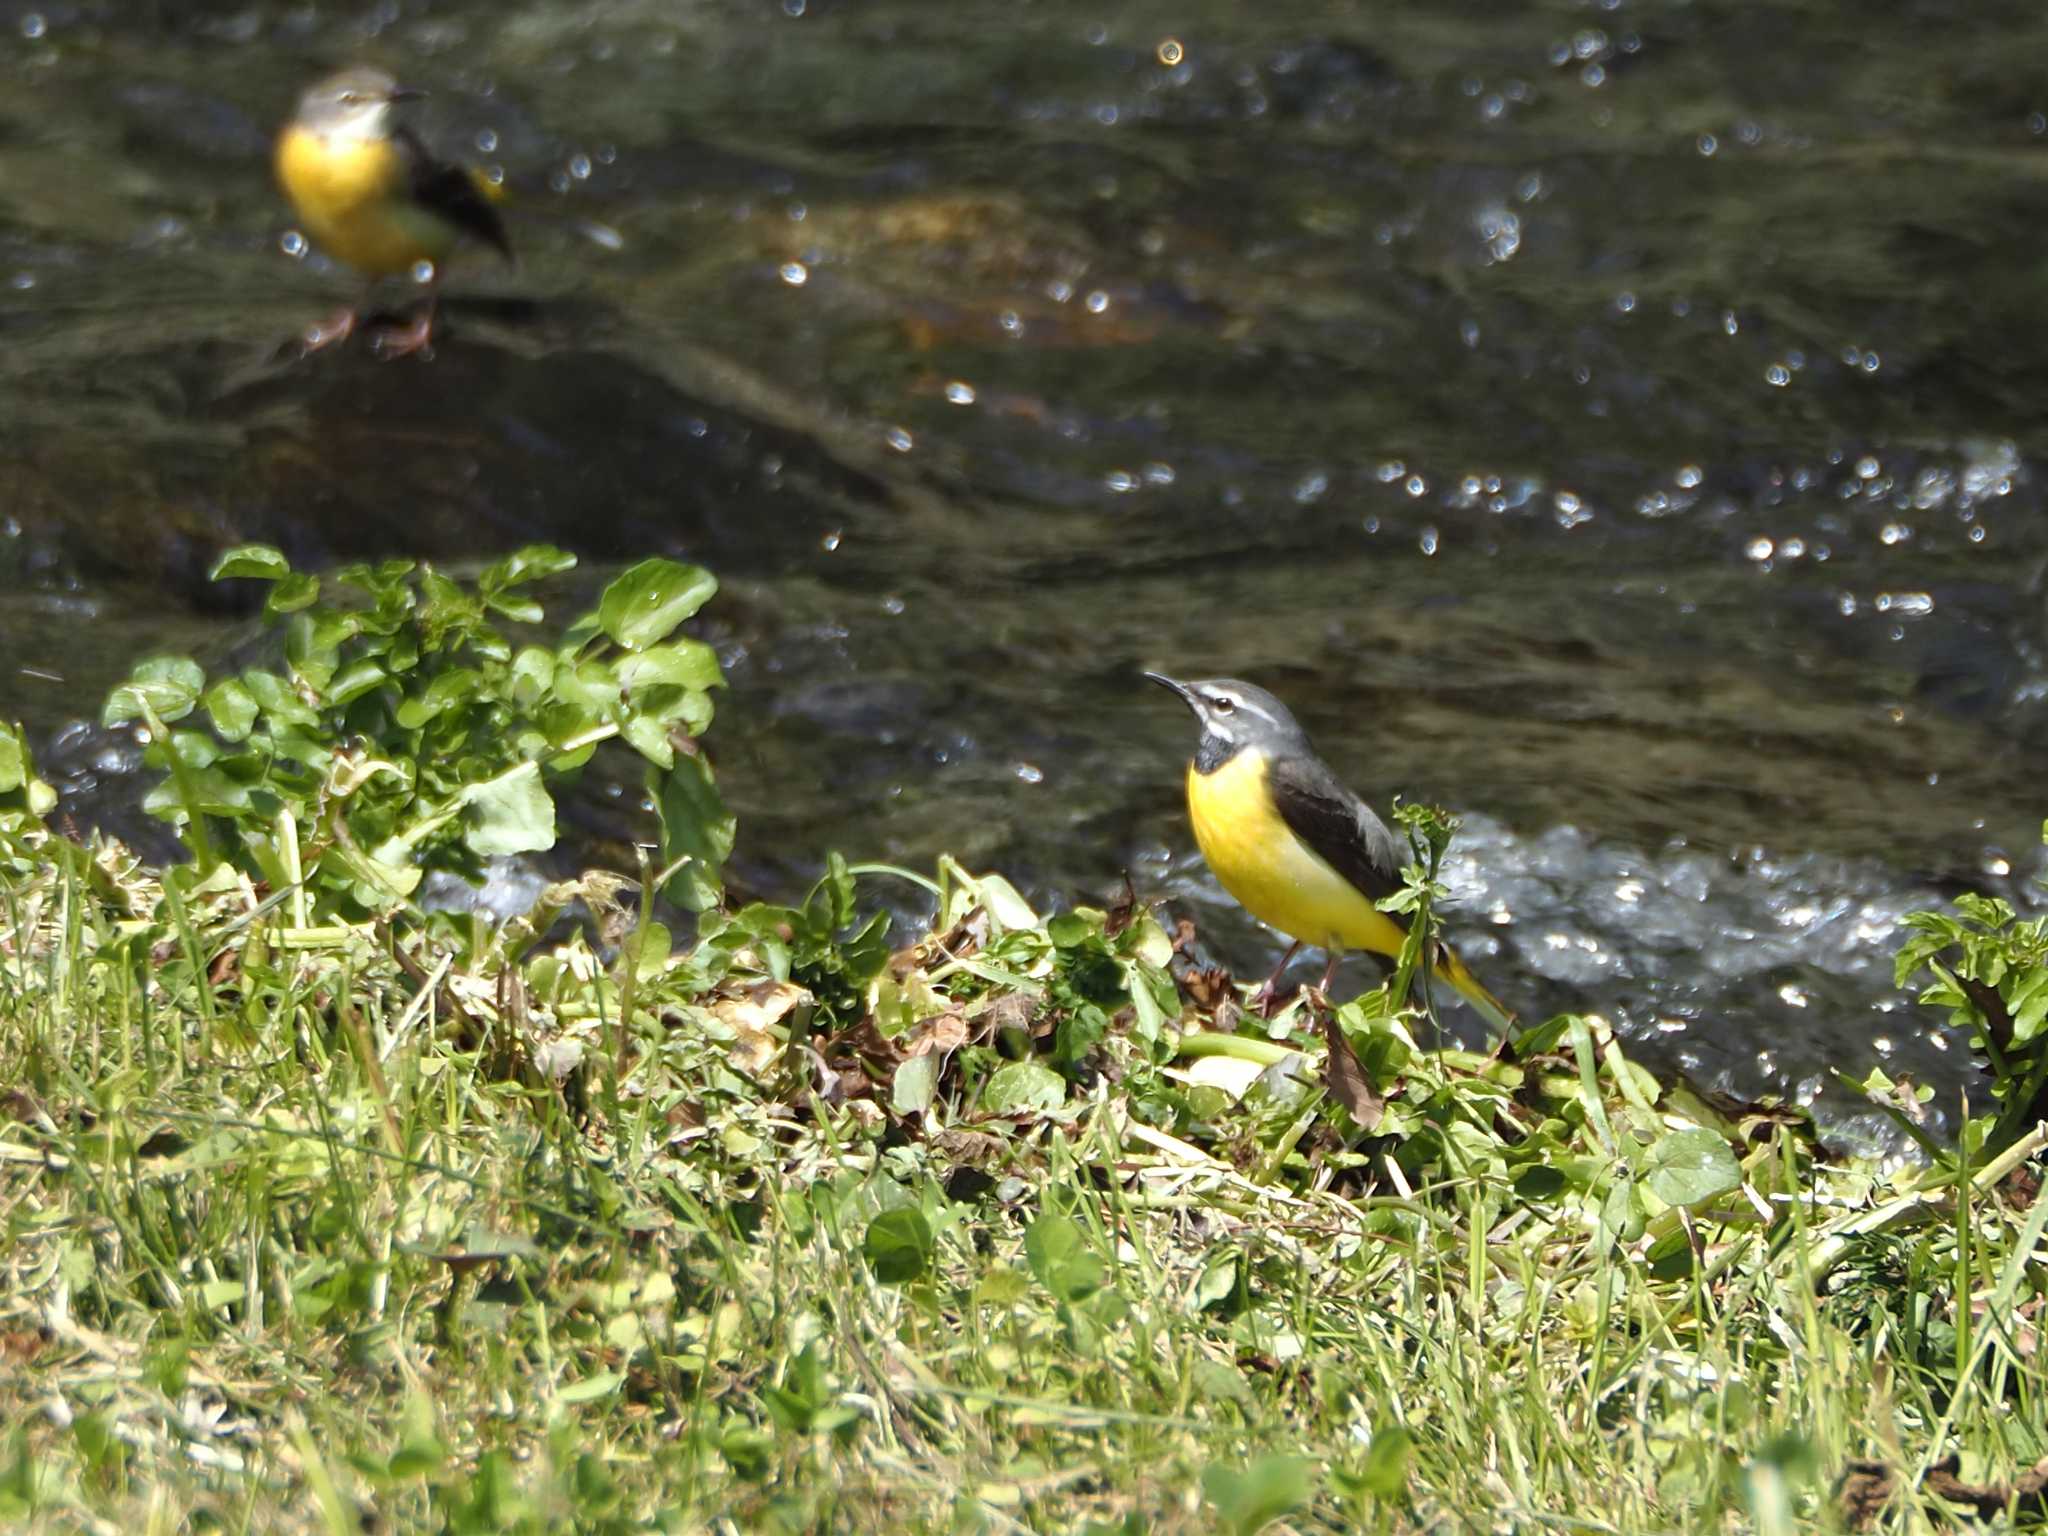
(959, 392)
(1427, 543)
(1977, 534)
(1011, 322)
(795, 273)
(1097, 34)
(579, 167)
(832, 540)
(423, 272)
(899, 439)
(1031, 773)
(1157, 473)
(1370, 524)
(1792, 549)
(1593, 75)
(1895, 533)
(797, 213)
(1911, 605)
(893, 606)
(1625, 302)
(1777, 375)
(1688, 477)
(1795, 996)
(1415, 485)
(1729, 324)
(1759, 548)
(487, 141)
(1169, 52)
(1871, 362)
(1390, 471)
(1059, 291)
(793, 8)
(1098, 302)
(1708, 144)
(1120, 481)
(1867, 468)
(291, 242)
(1468, 332)
(1105, 113)
(1997, 866)
(33, 25)
(1493, 108)
(1846, 605)
(1310, 487)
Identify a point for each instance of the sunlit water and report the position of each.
(1619, 422)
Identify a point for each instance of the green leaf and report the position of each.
(695, 827)
(232, 709)
(1057, 1250)
(1250, 1498)
(512, 813)
(1385, 1473)
(645, 604)
(257, 562)
(166, 686)
(13, 760)
(915, 1085)
(1689, 1168)
(533, 563)
(898, 1245)
(293, 591)
(1021, 1086)
(685, 663)
(590, 1388)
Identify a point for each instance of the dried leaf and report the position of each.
(751, 1017)
(1346, 1079)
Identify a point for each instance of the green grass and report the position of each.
(343, 1228)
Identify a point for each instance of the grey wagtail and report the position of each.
(1297, 850)
(369, 194)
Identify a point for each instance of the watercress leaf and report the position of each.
(695, 828)
(1023, 1086)
(255, 562)
(353, 681)
(533, 563)
(1057, 1250)
(643, 606)
(1690, 1168)
(279, 700)
(293, 591)
(648, 737)
(167, 686)
(512, 813)
(683, 663)
(898, 1245)
(232, 709)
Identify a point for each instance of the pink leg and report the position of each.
(415, 336)
(337, 327)
(1262, 1000)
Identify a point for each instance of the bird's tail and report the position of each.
(1489, 1007)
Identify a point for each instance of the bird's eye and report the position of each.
(1225, 704)
(351, 99)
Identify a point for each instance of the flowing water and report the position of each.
(1619, 422)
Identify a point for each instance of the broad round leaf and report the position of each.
(1690, 1168)
(645, 605)
(167, 686)
(898, 1246)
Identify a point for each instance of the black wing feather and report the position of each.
(450, 192)
(1338, 825)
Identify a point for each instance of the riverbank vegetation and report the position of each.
(321, 1211)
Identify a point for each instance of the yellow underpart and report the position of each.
(1287, 885)
(354, 198)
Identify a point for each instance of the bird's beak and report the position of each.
(1186, 693)
(401, 93)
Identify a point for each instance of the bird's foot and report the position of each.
(337, 327)
(1269, 1001)
(395, 341)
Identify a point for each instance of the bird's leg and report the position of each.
(415, 336)
(336, 327)
(1262, 1000)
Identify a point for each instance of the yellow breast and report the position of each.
(351, 194)
(1273, 874)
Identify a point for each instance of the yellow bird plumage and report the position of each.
(367, 192)
(1290, 843)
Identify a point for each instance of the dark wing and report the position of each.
(451, 192)
(1337, 825)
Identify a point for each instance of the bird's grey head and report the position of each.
(1235, 715)
(356, 103)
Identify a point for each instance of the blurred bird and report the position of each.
(368, 193)
(1297, 850)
